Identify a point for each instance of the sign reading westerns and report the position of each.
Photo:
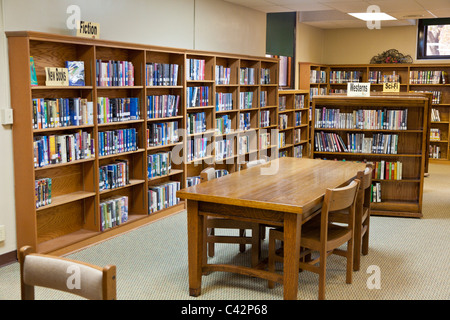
(87, 29)
(358, 89)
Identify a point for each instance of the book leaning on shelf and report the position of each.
(113, 212)
(61, 112)
(75, 72)
(55, 149)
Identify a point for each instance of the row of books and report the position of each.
(195, 69)
(117, 109)
(435, 151)
(246, 100)
(298, 118)
(299, 101)
(114, 73)
(244, 121)
(361, 119)
(223, 75)
(264, 76)
(375, 192)
(297, 135)
(247, 76)
(264, 140)
(162, 106)
(345, 76)
(263, 99)
(224, 101)
(159, 164)
(387, 170)
(356, 143)
(61, 112)
(196, 148)
(427, 77)
(283, 121)
(435, 115)
(377, 77)
(264, 118)
(113, 212)
(282, 153)
(161, 74)
(117, 141)
(281, 139)
(196, 122)
(54, 149)
(317, 92)
(161, 134)
(192, 181)
(317, 76)
(436, 95)
(197, 96)
(223, 149)
(298, 151)
(244, 145)
(43, 192)
(435, 134)
(223, 124)
(114, 175)
(163, 196)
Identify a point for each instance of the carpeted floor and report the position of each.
(413, 256)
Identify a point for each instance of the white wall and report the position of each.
(211, 25)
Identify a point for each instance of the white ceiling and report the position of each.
(327, 14)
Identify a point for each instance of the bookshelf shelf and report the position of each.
(160, 81)
(399, 196)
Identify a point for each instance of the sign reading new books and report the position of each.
(56, 76)
(358, 89)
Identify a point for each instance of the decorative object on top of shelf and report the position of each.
(391, 56)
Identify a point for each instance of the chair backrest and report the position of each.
(75, 277)
(366, 180)
(339, 199)
(207, 174)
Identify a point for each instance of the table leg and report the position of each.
(195, 247)
(292, 232)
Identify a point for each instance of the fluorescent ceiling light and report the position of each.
(372, 16)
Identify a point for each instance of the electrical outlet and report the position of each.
(2, 233)
(6, 116)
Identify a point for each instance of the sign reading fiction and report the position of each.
(56, 76)
(391, 87)
(358, 89)
(87, 29)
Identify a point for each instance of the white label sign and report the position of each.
(56, 76)
(358, 89)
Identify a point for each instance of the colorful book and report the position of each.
(33, 72)
(76, 72)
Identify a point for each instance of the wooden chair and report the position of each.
(212, 223)
(362, 216)
(82, 279)
(323, 236)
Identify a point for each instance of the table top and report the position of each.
(285, 184)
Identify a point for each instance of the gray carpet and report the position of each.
(413, 256)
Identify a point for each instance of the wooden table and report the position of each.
(285, 192)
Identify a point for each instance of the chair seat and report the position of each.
(337, 235)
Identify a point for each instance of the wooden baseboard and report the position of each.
(8, 258)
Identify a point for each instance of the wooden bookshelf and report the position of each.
(74, 217)
(400, 195)
(293, 123)
(412, 78)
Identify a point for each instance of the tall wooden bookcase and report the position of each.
(73, 219)
(399, 195)
(293, 115)
(412, 78)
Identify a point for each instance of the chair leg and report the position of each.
(350, 252)
(365, 239)
(211, 245)
(357, 247)
(256, 245)
(242, 245)
(271, 260)
(322, 274)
